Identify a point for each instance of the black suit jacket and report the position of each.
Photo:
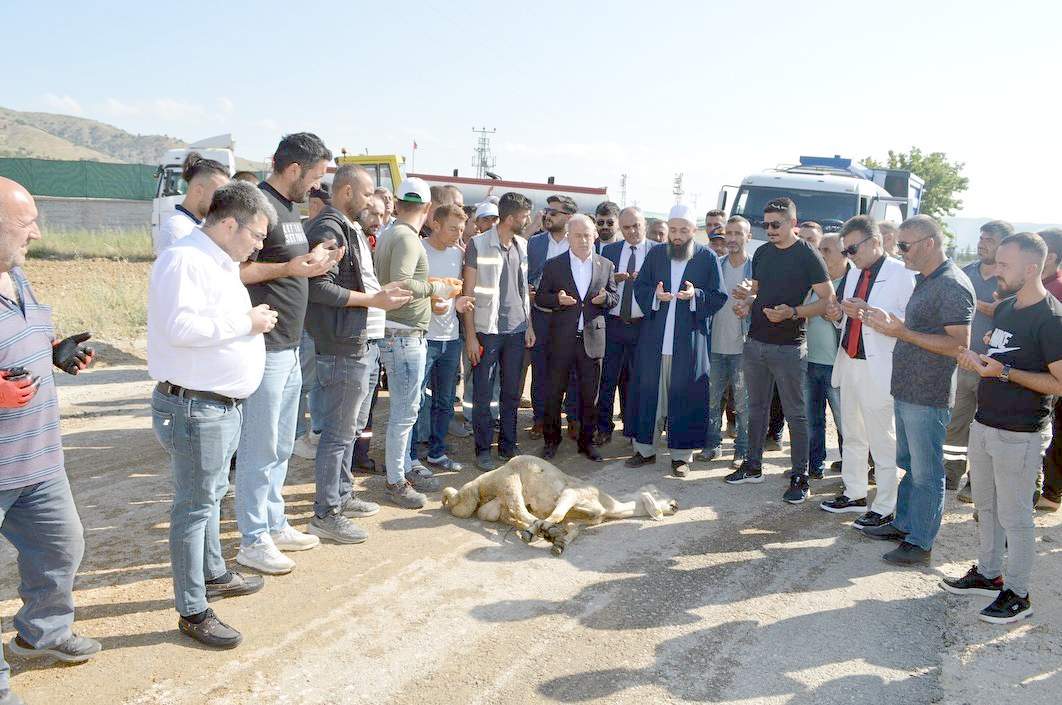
(564, 320)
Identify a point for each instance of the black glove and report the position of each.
(70, 356)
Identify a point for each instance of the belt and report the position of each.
(174, 390)
(631, 322)
(404, 333)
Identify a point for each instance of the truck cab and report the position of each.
(170, 187)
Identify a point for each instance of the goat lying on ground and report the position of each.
(536, 497)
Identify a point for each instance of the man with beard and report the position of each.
(1019, 373)
(784, 270)
(203, 176)
(606, 217)
(371, 219)
(714, 224)
(278, 275)
(679, 289)
(389, 205)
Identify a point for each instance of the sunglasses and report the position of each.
(773, 224)
(552, 211)
(905, 247)
(852, 249)
(608, 222)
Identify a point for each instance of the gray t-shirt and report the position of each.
(728, 331)
(984, 288)
(944, 298)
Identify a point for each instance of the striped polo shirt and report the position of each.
(31, 449)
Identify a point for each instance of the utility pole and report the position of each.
(623, 190)
(483, 158)
(676, 188)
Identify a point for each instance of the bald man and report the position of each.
(37, 512)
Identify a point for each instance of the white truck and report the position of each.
(827, 190)
(170, 187)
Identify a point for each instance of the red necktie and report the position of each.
(855, 328)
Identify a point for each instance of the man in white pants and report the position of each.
(863, 369)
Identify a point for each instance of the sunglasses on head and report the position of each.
(852, 249)
(609, 222)
(550, 211)
(773, 224)
(905, 247)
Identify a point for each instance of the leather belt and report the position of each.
(404, 333)
(174, 390)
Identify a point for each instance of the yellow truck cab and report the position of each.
(385, 169)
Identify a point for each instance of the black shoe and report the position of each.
(638, 460)
(603, 438)
(1007, 608)
(872, 520)
(709, 454)
(235, 586)
(835, 466)
(366, 465)
(549, 451)
(772, 444)
(842, 504)
(973, 583)
(885, 532)
(816, 473)
(680, 468)
(211, 631)
(745, 474)
(509, 454)
(798, 490)
(591, 453)
(907, 554)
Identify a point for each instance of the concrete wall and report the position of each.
(93, 213)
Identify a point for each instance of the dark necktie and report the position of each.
(855, 328)
(626, 304)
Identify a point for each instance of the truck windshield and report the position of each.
(170, 183)
(828, 209)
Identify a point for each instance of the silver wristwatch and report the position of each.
(1004, 376)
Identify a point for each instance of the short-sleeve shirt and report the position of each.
(728, 331)
(983, 288)
(511, 316)
(785, 276)
(1027, 339)
(443, 263)
(944, 298)
(288, 296)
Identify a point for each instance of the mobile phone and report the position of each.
(16, 372)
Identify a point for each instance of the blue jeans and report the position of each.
(41, 522)
(817, 393)
(727, 371)
(308, 401)
(920, 434)
(443, 361)
(200, 436)
(266, 442)
(620, 341)
(403, 359)
(502, 355)
(345, 385)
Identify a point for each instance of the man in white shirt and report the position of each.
(206, 350)
(623, 322)
(203, 176)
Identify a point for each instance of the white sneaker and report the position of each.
(291, 539)
(264, 557)
(304, 447)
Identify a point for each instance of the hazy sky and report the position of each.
(583, 91)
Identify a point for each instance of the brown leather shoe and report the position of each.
(536, 431)
(573, 430)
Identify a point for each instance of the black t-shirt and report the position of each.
(287, 296)
(1027, 339)
(785, 277)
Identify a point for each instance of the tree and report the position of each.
(944, 181)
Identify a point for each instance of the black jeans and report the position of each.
(1053, 457)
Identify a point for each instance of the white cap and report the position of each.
(681, 211)
(486, 209)
(413, 190)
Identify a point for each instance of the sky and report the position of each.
(581, 91)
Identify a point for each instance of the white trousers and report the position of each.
(869, 425)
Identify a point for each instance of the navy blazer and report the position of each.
(537, 247)
(613, 250)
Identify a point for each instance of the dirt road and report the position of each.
(737, 598)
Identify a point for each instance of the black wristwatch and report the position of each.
(1004, 376)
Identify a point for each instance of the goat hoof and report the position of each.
(558, 549)
(554, 533)
(526, 536)
(673, 505)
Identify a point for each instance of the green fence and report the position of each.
(81, 179)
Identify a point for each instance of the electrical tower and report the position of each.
(483, 158)
(676, 188)
(623, 190)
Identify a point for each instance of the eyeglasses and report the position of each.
(608, 222)
(852, 249)
(772, 224)
(905, 247)
(259, 237)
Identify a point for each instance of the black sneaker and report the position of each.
(638, 460)
(679, 468)
(973, 583)
(509, 454)
(1007, 608)
(872, 520)
(842, 504)
(835, 466)
(771, 444)
(745, 474)
(885, 532)
(907, 554)
(817, 473)
(798, 490)
(211, 631)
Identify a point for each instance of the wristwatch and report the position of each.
(1004, 376)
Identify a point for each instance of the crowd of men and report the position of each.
(269, 335)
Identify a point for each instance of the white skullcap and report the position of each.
(486, 209)
(681, 211)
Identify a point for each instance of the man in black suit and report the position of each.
(579, 289)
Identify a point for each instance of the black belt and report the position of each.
(630, 322)
(174, 390)
(404, 333)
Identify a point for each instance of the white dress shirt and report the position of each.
(179, 225)
(582, 273)
(625, 256)
(554, 248)
(678, 268)
(199, 331)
